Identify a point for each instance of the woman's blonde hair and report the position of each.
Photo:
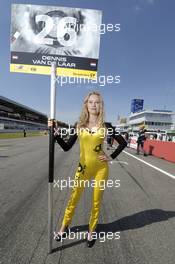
(84, 116)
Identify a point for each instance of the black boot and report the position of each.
(91, 242)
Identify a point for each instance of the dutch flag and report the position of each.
(93, 64)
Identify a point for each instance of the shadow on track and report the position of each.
(134, 221)
(137, 220)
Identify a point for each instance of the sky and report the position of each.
(142, 53)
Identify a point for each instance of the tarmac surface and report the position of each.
(139, 214)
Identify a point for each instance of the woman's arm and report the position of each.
(66, 145)
(121, 141)
(122, 144)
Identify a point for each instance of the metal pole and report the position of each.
(51, 155)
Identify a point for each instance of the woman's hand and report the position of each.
(104, 158)
(51, 122)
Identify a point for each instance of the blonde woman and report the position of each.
(93, 163)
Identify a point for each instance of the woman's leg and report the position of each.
(100, 184)
(73, 200)
(138, 147)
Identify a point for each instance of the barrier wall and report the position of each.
(161, 149)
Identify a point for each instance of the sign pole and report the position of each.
(51, 155)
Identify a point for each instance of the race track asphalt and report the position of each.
(141, 209)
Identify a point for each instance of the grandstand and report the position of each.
(15, 116)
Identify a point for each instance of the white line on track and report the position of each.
(152, 166)
(119, 161)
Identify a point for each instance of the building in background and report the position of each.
(122, 124)
(15, 116)
(154, 120)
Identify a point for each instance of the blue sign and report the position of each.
(136, 105)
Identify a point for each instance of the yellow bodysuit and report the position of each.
(91, 146)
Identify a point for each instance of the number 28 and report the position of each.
(66, 35)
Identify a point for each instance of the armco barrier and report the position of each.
(162, 149)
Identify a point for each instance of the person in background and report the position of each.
(140, 141)
(160, 137)
(126, 136)
(155, 136)
(109, 142)
(24, 132)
